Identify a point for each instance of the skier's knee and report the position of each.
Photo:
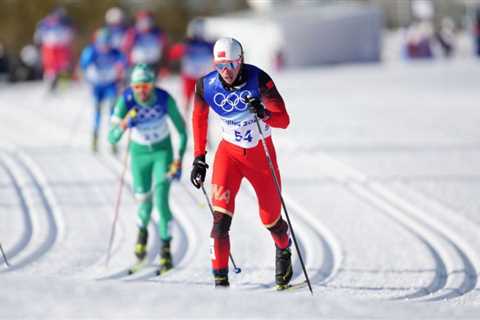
(142, 197)
(221, 225)
(280, 227)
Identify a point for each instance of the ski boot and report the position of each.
(141, 246)
(283, 267)
(165, 258)
(221, 278)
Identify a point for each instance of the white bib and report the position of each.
(242, 129)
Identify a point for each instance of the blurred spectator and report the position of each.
(4, 64)
(419, 38)
(31, 61)
(146, 42)
(446, 36)
(196, 57)
(115, 22)
(55, 36)
(104, 69)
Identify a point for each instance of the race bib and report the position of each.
(242, 130)
(150, 132)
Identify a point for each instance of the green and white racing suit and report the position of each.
(151, 151)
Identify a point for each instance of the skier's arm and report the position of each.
(271, 98)
(199, 120)
(119, 112)
(179, 124)
(86, 58)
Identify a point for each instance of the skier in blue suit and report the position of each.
(104, 69)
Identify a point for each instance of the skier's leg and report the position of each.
(97, 97)
(141, 166)
(269, 203)
(111, 96)
(257, 171)
(163, 159)
(270, 207)
(226, 181)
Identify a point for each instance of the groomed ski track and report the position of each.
(365, 181)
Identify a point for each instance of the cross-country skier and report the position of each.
(146, 42)
(196, 57)
(237, 92)
(55, 35)
(104, 68)
(144, 109)
(115, 22)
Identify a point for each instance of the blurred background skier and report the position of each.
(54, 34)
(144, 109)
(104, 68)
(146, 42)
(196, 57)
(116, 24)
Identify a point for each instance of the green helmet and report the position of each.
(142, 73)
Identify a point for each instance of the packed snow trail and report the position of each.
(380, 185)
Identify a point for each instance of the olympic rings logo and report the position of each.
(233, 100)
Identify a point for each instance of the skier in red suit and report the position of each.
(237, 92)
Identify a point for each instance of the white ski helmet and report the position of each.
(114, 16)
(227, 49)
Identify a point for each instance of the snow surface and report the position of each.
(380, 170)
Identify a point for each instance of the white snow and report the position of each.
(380, 171)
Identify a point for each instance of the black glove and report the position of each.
(199, 171)
(256, 106)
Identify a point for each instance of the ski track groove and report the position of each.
(26, 236)
(37, 181)
(440, 279)
(120, 228)
(330, 246)
(116, 168)
(468, 270)
(431, 232)
(333, 256)
(182, 250)
(468, 255)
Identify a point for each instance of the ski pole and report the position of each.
(277, 185)
(235, 268)
(4, 257)
(119, 198)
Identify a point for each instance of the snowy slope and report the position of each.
(380, 169)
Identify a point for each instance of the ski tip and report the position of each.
(160, 272)
(281, 287)
(290, 286)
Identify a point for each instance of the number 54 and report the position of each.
(246, 137)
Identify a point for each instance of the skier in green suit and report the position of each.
(144, 109)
